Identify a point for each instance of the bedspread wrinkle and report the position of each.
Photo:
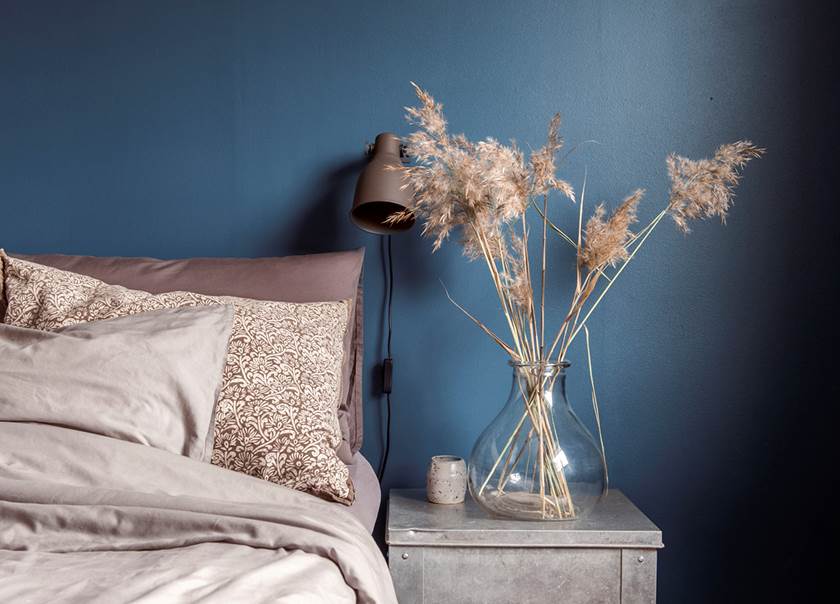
(87, 518)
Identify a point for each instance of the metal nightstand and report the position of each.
(457, 553)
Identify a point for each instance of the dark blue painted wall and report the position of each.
(177, 129)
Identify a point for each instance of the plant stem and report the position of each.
(522, 450)
(542, 279)
(596, 409)
(553, 226)
(554, 489)
(650, 229)
(532, 321)
(481, 325)
(513, 435)
(500, 290)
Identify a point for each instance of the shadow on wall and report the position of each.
(324, 225)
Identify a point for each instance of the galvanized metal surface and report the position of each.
(464, 575)
(614, 523)
(638, 576)
(457, 554)
(406, 565)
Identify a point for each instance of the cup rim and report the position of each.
(448, 458)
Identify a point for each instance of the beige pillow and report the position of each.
(277, 412)
(150, 379)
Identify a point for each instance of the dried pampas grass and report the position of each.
(483, 190)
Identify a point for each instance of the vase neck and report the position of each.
(553, 371)
(545, 376)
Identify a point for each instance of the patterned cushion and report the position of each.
(277, 412)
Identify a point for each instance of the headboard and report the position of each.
(307, 278)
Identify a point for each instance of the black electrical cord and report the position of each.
(387, 365)
(390, 292)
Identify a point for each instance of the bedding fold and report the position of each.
(76, 495)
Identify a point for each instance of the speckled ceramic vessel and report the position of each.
(446, 479)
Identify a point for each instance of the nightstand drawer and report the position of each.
(430, 575)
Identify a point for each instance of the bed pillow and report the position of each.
(2, 292)
(277, 412)
(150, 379)
(304, 278)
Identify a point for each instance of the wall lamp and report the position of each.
(379, 191)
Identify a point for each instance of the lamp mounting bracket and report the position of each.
(404, 157)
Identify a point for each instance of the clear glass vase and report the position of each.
(536, 460)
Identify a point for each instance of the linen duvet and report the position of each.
(108, 411)
(88, 518)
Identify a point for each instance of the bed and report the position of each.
(88, 517)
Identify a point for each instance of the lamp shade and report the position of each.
(379, 190)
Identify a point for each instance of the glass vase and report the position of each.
(536, 460)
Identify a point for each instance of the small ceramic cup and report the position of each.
(446, 479)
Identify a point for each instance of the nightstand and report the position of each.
(459, 554)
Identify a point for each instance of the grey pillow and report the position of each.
(150, 378)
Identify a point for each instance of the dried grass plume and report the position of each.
(606, 240)
(475, 188)
(704, 188)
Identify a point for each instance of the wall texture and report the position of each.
(191, 128)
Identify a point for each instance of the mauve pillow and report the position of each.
(306, 278)
(150, 378)
(2, 294)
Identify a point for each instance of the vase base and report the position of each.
(525, 506)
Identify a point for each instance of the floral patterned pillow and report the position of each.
(277, 412)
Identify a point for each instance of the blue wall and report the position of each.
(178, 129)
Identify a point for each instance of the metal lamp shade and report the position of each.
(380, 192)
